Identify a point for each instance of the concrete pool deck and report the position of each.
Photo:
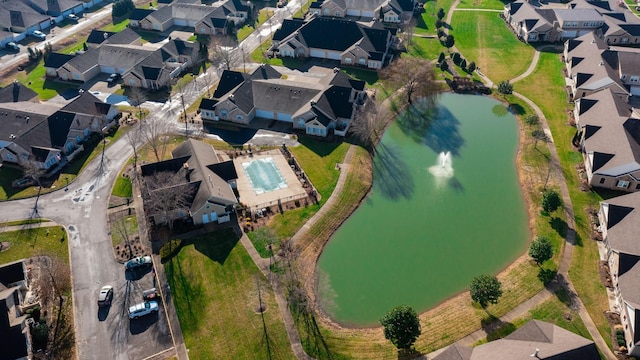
(253, 201)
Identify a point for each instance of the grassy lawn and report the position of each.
(246, 30)
(545, 88)
(26, 243)
(24, 222)
(554, 310)
(483, 37)
(34, 78)
(118, 229)
(426, 24)
(481, 4)
(318, 160)
(122, 187)
(426, 48)
(215, 285)
(117, 27)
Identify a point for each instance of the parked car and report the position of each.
(72, 17)
(150, 294)
(105, 296)
(142, 309)
(138, 262)
(113, 78)
(39, 34)
(12, 46)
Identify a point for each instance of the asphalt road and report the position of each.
(82, 210)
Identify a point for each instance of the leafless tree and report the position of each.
(408, 30)
(415, 75)
(55, 275)
(153, 132)
(167, 195)
(136, 98)
(368, 123)
(120, 225)
(133, 137)
(221, 52)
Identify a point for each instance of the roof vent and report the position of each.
(601, 63)
(105, 35)
(313, 103)
(535, 354)
(12, 136)
(336, 69)
(232, 96)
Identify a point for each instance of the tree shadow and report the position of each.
(137, 273)
(407, 354)
(311, 337)
(499, 110)
(516, 109)
(559, 225)
(547, 276)
(392, 174)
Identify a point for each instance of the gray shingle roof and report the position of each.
(16, 92)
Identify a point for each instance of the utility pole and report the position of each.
(104, 144)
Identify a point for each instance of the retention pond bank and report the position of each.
(446, 206)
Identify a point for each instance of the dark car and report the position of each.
(113, 78)
(105, 296)
(12, 46)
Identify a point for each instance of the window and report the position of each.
(326, 11)
(239, 117)
(622, 184)
(132, 82)
(602, 180)
(76, 76)
(633, 79)
(362, 61)
(347, 60)
(224, 113)
(338, 13)
(637, 186)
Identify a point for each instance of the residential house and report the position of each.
(389, 11)
(47, 136)
(17, 92)
(204, 19)
(318, 103)
(609, 138)
(592, 66)
(138, 15)
(124, 37)
(142, 66)
(53, 61)
(535, 339)
(57, 7)
(15, 338)
(5, 37)
(207, 182)
(619, 218)
(350, 42)
(18, 17)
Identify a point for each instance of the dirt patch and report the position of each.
(616, 328)
(605, 274)
(4, 246)
(128, 249)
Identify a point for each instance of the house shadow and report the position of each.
(216, 246)
(393, 177)
(496, 328)
(322, 148)
(235, 137)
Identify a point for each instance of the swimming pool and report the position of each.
(264, 175)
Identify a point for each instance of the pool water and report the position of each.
(264, 175)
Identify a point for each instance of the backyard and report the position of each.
(218, 292)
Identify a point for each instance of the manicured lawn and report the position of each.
(51, 240)
(34, 78)
(545, 88)
(426, 24)
(483, 37)
(24, 222)
(318, 160)
(215, 287)
(246, 30)
(116, 27)
(122, 187)
(123, 228)
(481, 4)
(426, 48)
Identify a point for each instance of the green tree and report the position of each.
(472, 67)
(551, 201)
(485, 290)
(541, 249)
(531, 120)
(401, 326)
(444, 66)
(440, 14)
(448, 42)
(505, 88)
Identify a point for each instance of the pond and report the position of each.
(445, 207)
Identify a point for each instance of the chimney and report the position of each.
(187, 172)
(105, 35)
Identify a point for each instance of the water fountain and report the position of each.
(442, 168)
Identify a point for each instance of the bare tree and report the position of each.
(153, 133)
(221, 51)
(408, 30)
(133, 137)
(168, 195)
(368, 124)
(136, 98)
(416, 75)
(123, 230)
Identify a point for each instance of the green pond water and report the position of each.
(445, 207)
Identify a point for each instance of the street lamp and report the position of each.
(104, 143)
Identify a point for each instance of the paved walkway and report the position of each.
(264, 264)
(562, 279)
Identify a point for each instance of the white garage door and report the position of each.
(317, 53)
(635, 90)
(179, 22)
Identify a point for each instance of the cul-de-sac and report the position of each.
(319, 179)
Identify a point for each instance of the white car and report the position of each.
(73, 17)
(39, 34)
(142, 309)
(105, 296)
